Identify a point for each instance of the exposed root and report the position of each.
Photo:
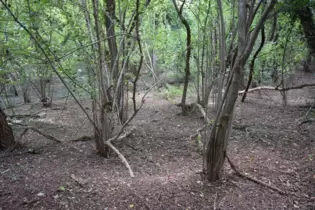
(252, 178)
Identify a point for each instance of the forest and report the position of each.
(157, 104)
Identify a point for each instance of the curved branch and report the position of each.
(252, 64)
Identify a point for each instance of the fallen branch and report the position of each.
(24, 116)
(41, 133)
(124, 160)
(276, 88)
(121, 130)
(126, 134)
(83, 138)
(206, 119)
(251, 178)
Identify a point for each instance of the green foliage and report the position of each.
(170, 92)
(61, 29)
(287, 52)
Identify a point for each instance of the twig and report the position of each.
(251, 178)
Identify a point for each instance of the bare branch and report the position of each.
(41, 133)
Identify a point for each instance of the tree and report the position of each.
(6, 134)
(218, 141)
(187, 60)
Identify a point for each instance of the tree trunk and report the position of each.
(252, 64)
(103, 132)
(188, 48)
(215, 154)
(220, 132)
(6, 134)
(307, 21)
(110, 30)
(222, 52)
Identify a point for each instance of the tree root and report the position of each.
(252, 178)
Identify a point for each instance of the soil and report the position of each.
(272, 143)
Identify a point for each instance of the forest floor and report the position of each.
(271, 143)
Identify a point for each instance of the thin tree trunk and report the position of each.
(222, 52)
(110, 30)
(188, 48)
(6, 134)
(104, 130)
(252, 65)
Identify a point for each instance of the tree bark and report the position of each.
(7, 139)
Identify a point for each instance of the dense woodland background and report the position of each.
(182, 96)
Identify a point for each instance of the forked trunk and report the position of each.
(217, 144)
(215, 154)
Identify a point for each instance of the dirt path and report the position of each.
(273, 148)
